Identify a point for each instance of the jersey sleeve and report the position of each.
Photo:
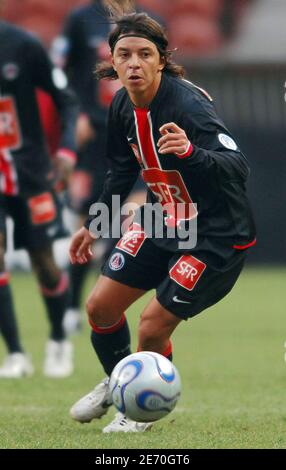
(123, 168)
(54, 82)
(213, 145)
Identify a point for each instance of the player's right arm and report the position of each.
(123, 167)
(120, 179)
(81, 246)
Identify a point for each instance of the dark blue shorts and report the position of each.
(186, 283)
(37, 220)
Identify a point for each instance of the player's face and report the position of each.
(139, 67)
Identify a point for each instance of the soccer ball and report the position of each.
(145, 386)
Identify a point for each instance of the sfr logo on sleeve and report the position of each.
(187, 271)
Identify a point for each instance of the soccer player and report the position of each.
(83, 44)
(26, 194)
(166, 127)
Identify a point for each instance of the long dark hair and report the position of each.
(143, 25)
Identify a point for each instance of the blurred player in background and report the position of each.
(26, 190)
(81, 46)
(166, 127)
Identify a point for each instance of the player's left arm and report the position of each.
(202, 141)
(53, 81)
(174, 140)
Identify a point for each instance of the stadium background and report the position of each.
(236, 49)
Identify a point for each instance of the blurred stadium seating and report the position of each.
(43, 17)
(196, 27)
(195, 33)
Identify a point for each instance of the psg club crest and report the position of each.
(116, 261)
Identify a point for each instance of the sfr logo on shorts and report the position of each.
(187, 271)
(42, 208)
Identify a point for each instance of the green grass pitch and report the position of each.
(231, 360)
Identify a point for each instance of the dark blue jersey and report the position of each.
(25, 67)
(213, 175)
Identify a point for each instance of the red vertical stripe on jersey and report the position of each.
(8, 183)
(168, 185)
(145, 137)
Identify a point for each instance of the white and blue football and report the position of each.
(145, 386)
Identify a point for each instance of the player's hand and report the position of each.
(81, 247)
(174, 140)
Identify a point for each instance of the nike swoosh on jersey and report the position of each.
(175, 299)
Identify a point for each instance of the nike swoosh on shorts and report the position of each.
(175, 299)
